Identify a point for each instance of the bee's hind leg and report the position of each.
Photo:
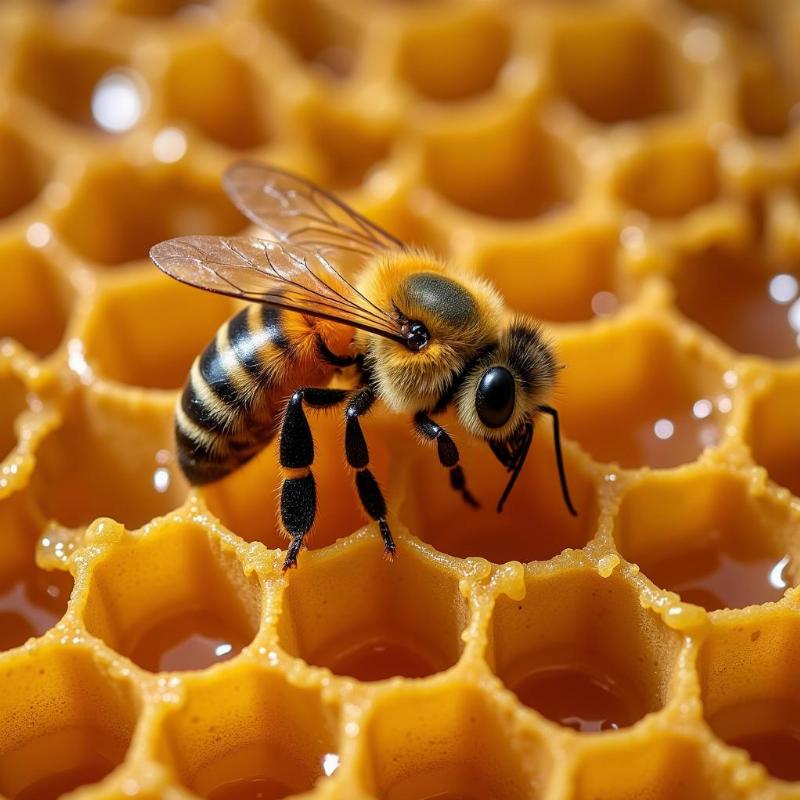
(357, 453)
(448, 454)
(298, 490)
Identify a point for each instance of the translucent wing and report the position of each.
(296, 211)
(275, 273)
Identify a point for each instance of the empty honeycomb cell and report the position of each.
(62, 73)
(454, 57)
(119, 211)
(346, 143)
(32, 600)
(571, 266)
(764, 99)
(636, 395)
(667, 766)
(748, 668)
(397, 617)
(37, 298)
(669, 176)
(113, 456)
(251, 733)
(65, 722)
(24, 170)
(172, 598)
(128, 338)
(773, 429)
(535, 524)
(318, 32)
(210, 88)
(427, 742)
(582, 651)
(616, 67)
(745, 297)
(507, 168)
(246, 501)
(708, 537)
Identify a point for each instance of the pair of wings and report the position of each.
(296, 270)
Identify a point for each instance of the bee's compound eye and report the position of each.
(494, 400)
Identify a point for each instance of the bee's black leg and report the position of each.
(448, 454)
(298, 491)
(357, 453)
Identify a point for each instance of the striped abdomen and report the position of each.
(226, 413)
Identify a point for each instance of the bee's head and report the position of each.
(506, 385)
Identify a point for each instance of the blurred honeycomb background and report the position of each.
(627, 171)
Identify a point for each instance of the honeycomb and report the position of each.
(628, 172)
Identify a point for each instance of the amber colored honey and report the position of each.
(53, 786)
(377, 659)
(250, 789)
(719, 579)
(448, 782)
(192, 640)
(580, 697)
(30, 604)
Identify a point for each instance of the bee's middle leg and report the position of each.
(299, 491)
(357, 453)
(448, 454)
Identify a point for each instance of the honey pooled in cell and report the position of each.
(188, 641)
(59, 762)
(447, 782)
(580, 695)
(379, 658)
(31, 602)
(768, 730)
(717, 578)
(753, 310)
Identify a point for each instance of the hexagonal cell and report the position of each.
(173, 599)
(705, 535)
(748, 678)
(37, 298)
(119, 211)
(668, 766)
(113, 456)
(68, 722)
(508, 168)
(581, 650)
(454, 57)
(317, 32)
(246, 501)
(346, 143)
(210, 88)
(570, 266)
(440, 742)
(616, 67)
(62, 73)
(128, 340)
(31, 599)
(633, 394)
(669, 176)
(535, 523)
(744, 297)
(251, 733)
(24, 170)
(763, 97)
(773, 429)
(401, 617)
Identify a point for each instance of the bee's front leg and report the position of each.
(299, 491)
(357, 453)
(448, 454)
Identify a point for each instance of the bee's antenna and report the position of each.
(559, 458)
(516, 465)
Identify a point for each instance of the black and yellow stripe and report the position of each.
(226, 412)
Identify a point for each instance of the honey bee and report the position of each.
(331, 292)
